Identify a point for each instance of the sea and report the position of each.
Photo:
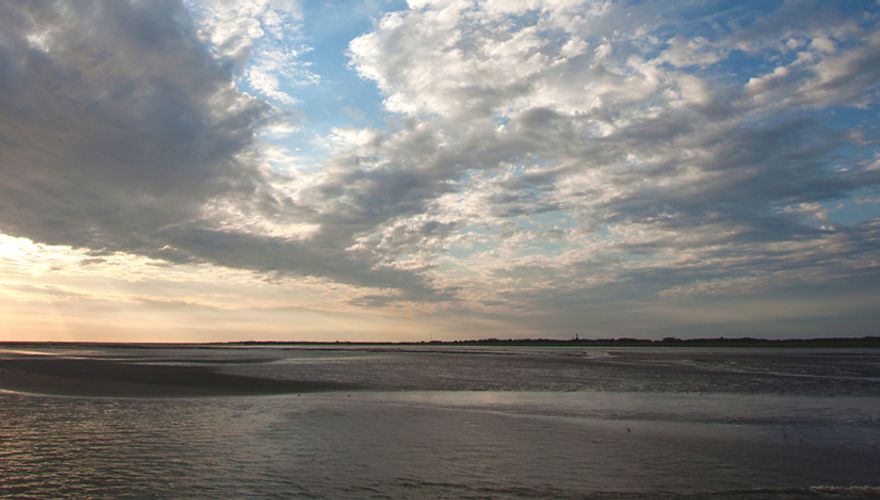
(463, 422)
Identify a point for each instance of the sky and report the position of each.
(388, 170)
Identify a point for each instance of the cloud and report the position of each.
(682, 52)
(233, 27)
(120, 132)
(261, 36)
(819, 77)
(113, 131)
(536, 155)
(642, 165)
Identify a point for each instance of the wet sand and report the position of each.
(525, 423)
(95, 377)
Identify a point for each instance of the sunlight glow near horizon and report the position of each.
(377, 170)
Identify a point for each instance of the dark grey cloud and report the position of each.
(118, 128)
(115, 122)
(741, 175)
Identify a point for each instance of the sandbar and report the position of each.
(96, 377)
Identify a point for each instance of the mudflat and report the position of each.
(96, 377)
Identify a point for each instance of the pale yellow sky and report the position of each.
(56, 293)
(59, 293)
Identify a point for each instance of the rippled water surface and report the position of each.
(468, 422)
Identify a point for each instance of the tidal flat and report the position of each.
(470, 421)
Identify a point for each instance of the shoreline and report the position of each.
(719, 342)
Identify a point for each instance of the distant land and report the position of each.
(869, 341)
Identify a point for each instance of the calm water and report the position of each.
(467, 422)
